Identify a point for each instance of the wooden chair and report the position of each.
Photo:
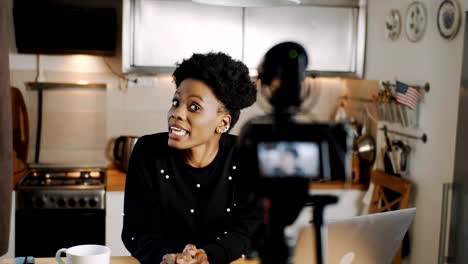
(383, 201)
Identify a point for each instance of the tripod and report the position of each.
(318, 203)
(283, 212)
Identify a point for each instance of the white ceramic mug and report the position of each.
(85, 254)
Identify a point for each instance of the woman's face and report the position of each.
(194, 116)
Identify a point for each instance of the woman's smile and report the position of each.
(177, 132)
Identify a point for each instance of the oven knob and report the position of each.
(82, 202)
(71, 202)
(93, 202)
(40, 202)
(61, 202)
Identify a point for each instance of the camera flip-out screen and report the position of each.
(289, 158)
(316, 151)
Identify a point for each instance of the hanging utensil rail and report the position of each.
(423, 137)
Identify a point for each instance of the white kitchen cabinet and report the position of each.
(114, 223)
(157, 34)
(162, 33)
(329, 34)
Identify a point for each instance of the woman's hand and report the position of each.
(190, 255)
(179, 258)
(198, 255)
(168, 259)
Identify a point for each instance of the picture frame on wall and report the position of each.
(448, 18)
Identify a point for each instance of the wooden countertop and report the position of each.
(116, 182)
(115, 179)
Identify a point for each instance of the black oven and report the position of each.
(57, 209)
(41, 232)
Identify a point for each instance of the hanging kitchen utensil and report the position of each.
(396, 158)
(365, 148)
(388, 164)
(365, 144)
(404, 157)
(403, 152)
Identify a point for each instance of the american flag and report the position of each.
(407, 95)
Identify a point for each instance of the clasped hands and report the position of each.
(190, 255)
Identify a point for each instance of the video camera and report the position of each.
(282, 152)
(282, 144)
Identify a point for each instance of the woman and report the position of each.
(183, 198)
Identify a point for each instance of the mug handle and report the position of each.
(57, 255)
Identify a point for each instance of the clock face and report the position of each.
(448, 18)
(393, 25)
(416, 21)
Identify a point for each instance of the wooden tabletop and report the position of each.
(114, 260)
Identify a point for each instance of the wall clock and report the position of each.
(448, 18)
(393, 25)
(416, 21)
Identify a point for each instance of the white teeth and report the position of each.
(178, 131)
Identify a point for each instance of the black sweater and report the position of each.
(169, 204)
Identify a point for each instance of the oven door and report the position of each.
(41, 232)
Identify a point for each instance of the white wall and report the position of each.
(437, 61)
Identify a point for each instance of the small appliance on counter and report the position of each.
(123, 147)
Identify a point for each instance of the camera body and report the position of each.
(285, 147)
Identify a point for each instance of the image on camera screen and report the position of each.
(289, 158)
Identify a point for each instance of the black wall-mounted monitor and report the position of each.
(55, 27)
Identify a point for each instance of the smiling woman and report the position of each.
(184, 201)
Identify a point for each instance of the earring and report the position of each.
(222, 130)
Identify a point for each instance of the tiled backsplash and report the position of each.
(79, 125)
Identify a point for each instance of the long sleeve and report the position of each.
(247, 216)
(238, 238)
(141, 232)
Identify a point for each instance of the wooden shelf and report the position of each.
(56, 85)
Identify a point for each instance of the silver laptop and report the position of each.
(366, 239)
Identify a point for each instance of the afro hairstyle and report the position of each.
(228, 79)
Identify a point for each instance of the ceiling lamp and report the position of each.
(248, 3)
